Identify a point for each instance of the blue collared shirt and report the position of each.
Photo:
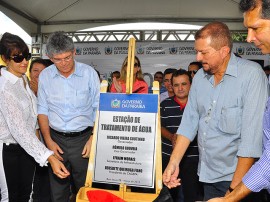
(163, 96)
(228, 118)
(258, 177)
(70, 103)
(161, 90)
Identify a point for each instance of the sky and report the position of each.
(7, 25)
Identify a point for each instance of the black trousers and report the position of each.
(77, 166)
(192, 188)
(19, 168)
(176, 193)
(41, 186)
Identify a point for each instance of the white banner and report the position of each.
(126, 139)
(121, 149)
(108, 57)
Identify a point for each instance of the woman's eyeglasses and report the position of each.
(19, 58)
(135, 64)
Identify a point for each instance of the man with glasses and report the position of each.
(68, 96)
(193, 67)
(158, 76)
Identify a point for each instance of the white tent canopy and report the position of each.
(39, 17)
(44, 16)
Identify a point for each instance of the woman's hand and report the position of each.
(117, 85)
(58, 167)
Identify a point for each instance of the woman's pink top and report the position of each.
(138, 87)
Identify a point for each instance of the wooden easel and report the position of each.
(124, 191)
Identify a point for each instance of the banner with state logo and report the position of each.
(154, 56)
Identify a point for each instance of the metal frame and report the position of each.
(125, 35)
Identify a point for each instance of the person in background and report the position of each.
(139, 85)
(19, 145)
(114, 76)
(41, 185)
(257, 21)
(171, 110)
(223, 108)
(266, 70)
(168, 84)
(158, 76)
(193, 67)
(100, 79)
(68, 97)
(35, 68)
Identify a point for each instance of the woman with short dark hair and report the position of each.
(19, 145)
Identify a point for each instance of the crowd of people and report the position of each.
(214, 117)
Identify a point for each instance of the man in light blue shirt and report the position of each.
(225, 105)
(68, 96)
(257, 21)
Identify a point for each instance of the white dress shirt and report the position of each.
(18, 118)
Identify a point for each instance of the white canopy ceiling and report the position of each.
(43, 16)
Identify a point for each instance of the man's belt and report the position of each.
(73, 134)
